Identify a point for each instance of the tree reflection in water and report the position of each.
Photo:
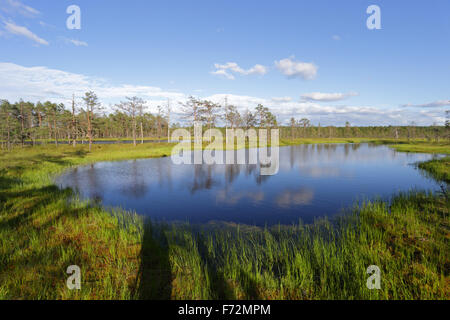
(313, 181)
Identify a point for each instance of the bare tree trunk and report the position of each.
(134, 130)
(55, 127)
(39, 123)
(88, 115)
(159, 128)
(22, 125)
(30, 124)
(9, 132)
(49, 130)
(168, 120)
(74, 123)
(210, 127)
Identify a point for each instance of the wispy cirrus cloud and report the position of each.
(13, 8)
(328, 97)
(434, 104)
(79, 43)
(16, 6)
(297, 69)
(75, 42)
(336, 37)
(46, 25)
(12, 28)
(229, 69)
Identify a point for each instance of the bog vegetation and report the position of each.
(43, 229)
(85, 121)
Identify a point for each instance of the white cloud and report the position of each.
(229, 68)
(42, 83)
(12, 6)
(77, 43)
(257, 69)
(319, 96)
(222, 72)
(281, 99)
(239, 101)
(336, 37)
(12, 28)
(46, 25)
(434, 104)
(296, 69)
(330, 114)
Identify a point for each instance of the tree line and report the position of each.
(31, 123)
(47, 122)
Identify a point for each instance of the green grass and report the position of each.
(42, 232)
(122, 256)
(290, 142)
(420, 146)
(438, 169)
(320, 261)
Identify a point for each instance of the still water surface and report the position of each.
(313, 181)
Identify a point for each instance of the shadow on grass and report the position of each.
(249, 286)
(27, 211)
(6, 183)
(155, 272)
(219, 288)
(155, 276)
(23, 204)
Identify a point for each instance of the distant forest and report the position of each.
(32, 123)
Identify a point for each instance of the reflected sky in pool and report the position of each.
(313, 181)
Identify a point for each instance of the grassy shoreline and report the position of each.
(122, 257)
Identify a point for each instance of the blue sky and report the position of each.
(314, 59)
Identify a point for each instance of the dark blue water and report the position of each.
(313, 181)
